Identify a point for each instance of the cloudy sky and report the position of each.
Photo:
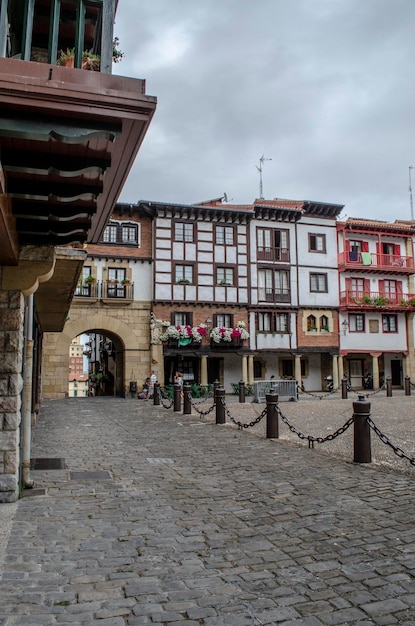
(323, 88)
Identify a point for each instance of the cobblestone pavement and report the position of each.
(185, 522)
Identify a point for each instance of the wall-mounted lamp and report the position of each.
(345, 326)
(208, 321)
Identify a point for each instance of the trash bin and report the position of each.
(133, 388)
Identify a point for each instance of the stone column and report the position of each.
(341, 368)
(245, 369)
(297, 368)
(11, 383)
(204, 370)
(251, 377)
(375, 370)
(335, 371)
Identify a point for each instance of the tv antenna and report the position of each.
(411, 167)
(261, 163)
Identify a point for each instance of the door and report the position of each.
(396, 372)
(356, 373)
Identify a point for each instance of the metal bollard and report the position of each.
(177, 400)
(241, 391)
(220, 407)
(187, 404)
(344, 388)
(389, 387)
(361, 436)
(216, 384)
(407, 386)
(156, 394)
(272, 416)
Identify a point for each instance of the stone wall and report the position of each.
(11, 384)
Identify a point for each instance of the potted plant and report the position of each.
(183, 280)
(89, 279)
(90, 60)
(125, 281)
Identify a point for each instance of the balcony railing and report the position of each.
(105, 290)
(371, 260)
(376, 299)
(273, 254)
(266, 294)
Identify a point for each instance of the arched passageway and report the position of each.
(124, 363)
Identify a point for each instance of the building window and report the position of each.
(311, 323)
(324, 323)
(318, 283)
(223, 320)
(181, 319)
(110, 233)
(224, 275)
(273, 285)
(183, 231)
(122, 233)
(184, 273)
(129, 233)
(115, 286)
(316, 242)
(389, 323)
(273, 322)
(356, 323)
(273, 244)
(224, 235)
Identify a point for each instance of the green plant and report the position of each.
(125, 281)
(117, 55)
(183, 280)
(90, 279)
(381, 301)
(367, 300)
(324, 327)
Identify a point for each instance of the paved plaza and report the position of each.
(141, 515)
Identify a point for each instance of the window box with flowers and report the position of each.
(184, 335)
(229, 336)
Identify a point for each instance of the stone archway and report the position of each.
(55, 365)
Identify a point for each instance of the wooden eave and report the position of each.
(322, 209)
(222, 213)
(359, 226)
(68, 139)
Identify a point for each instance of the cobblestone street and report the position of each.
(153, 517)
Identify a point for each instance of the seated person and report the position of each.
(144, 394)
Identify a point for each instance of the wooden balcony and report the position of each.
(273, 254)
(374, 300)
(372, 262)
(274, 295)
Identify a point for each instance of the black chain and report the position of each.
(239, 424)
(397, 450)
(318, 396)
(164, 396)
(194, 405)
(312, 440)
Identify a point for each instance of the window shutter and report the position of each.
(365, 246)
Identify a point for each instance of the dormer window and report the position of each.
(124, 233)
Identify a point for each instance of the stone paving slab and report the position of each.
(204, 524)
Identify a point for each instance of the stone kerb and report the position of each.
(56, 351)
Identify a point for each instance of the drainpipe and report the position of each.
(27, 395)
